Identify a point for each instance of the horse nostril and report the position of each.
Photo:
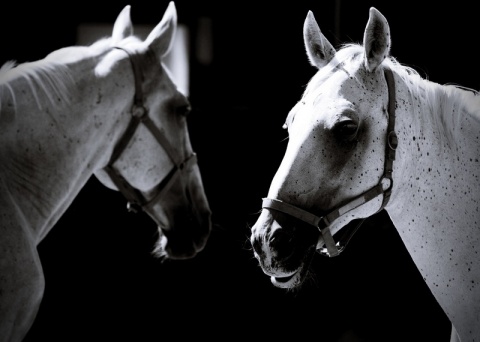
(280, 240)
(256, 245)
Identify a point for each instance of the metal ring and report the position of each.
(392, 140)
(138, 111)
(389, 185)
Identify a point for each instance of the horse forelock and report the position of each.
(130, 43)
(349, 53)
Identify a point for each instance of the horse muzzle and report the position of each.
(187, 239)
(283, 248)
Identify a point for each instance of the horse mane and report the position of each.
(448, 103)
(49, 77)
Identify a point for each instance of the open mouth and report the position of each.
(296, 278)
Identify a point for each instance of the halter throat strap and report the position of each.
(136, 200)
(384, 186)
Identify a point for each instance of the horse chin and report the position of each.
(164, 250)
(297, 278)
(183, 242)
(291, 282)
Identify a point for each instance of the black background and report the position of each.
(102, 283)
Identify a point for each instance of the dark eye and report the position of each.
(184, 109)
(346, 130)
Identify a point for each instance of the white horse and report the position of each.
(371, 134)
(110, 110)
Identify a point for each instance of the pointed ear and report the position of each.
(319, 49)
(122, 27)
(376, 40)
(161, 38)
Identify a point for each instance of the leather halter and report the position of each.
(136, 200)
(384, 186)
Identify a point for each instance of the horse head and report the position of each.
(335, 154)
(153, 163)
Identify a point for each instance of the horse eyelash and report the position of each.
(289, 120)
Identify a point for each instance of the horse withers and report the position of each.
(370, 134)
(111, 110)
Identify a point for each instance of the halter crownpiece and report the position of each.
(136, 200)
(384, 186)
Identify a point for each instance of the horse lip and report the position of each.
(286, 278)
(291, 280)
(297, 277)
(287, 282)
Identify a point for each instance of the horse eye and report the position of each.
(346, 130)
(184, 109)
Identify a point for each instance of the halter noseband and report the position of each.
(384, 186)
(136, 200)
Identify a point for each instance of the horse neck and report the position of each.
(53, 149)
(434, 203)
(437, 128)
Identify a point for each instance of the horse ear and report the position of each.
(319, 49)
(122, 27)
(376, 40)
(161, 37)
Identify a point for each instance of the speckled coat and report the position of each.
(336, 151)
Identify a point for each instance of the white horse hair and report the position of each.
(370, 134)
(111, 110)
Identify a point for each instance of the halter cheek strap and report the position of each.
(384, 186)
(136, 200)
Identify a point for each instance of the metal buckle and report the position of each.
(386, 186)
(138, 111)
(324, 252)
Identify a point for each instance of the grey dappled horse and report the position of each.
(110, 110)
(371, 134)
